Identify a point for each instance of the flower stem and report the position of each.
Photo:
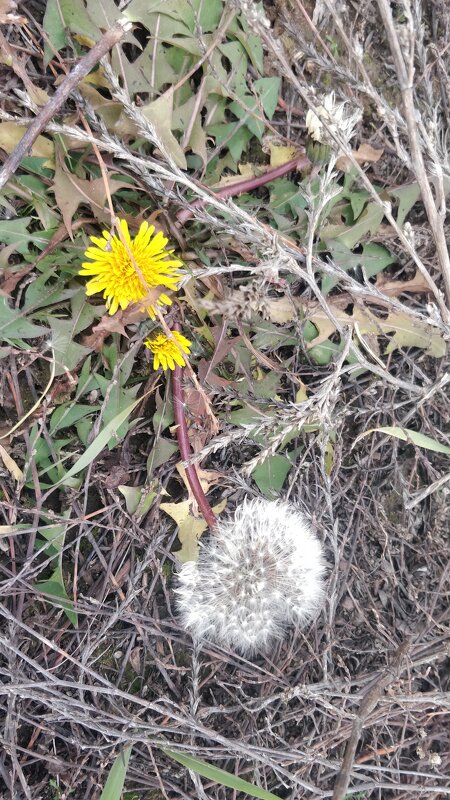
(185, 448)
(247, 184)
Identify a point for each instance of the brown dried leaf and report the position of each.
(116, 323)
(365, 154)
(207, 478)
(71, 191)
(417, 285)
(403, 330)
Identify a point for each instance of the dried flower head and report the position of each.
(115, 259)
(258, 573)
(168, 352)
(339, 120)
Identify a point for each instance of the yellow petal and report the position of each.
(114, 305)
(124, 228)
(179, 359)
(99, 242)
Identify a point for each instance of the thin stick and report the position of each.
(85, 64)
(368, 704)
(185, 448)
(406, 81)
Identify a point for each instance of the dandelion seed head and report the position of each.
(260, 572)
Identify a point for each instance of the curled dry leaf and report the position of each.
(417, 285)
(116, 323)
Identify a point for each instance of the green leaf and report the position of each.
(268, 90)
(53, 25)
(286, 198)
(14, 231)
(137, 498)
(115, 782)
(357, 200)
(271, 475)
(407, 435)
(235, 140)
(54, 534)
(44, 291)
(220, 776)
(368, 222)
(250, 41)
(68, 353)
(14, 325)
(269, 336)
(54, 586)
(209, 14)
(118, 396)
(163, 416)
(68, 414)
(406, 196)
(374, 258)
(159, 114)
(101, 441)
(162, 451)
(412, 333)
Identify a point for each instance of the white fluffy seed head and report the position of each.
(259, 572)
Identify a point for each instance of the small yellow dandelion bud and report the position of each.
(168, 352)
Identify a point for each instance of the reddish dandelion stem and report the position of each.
(185, 448)
(301, 162)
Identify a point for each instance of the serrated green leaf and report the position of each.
(406, 197)
(14, 325)
(368, 222)
(250, 41)
(44, 292)
(374, 258)
(68, 353)
(235, 140)
(14, 231)
(268, 90)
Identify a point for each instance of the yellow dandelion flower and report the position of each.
(114, 270)
(167, 352)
